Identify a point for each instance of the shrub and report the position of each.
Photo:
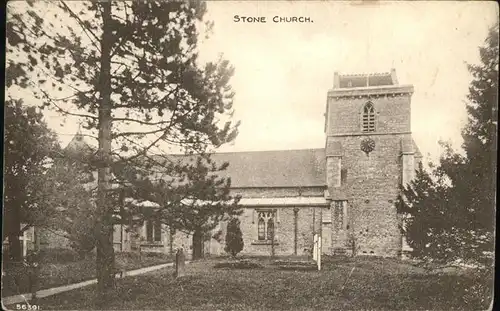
(480, 290)
(58, 255)
(234, 237)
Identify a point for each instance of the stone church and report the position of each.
(344, 192)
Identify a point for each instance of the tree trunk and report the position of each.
(105, 251)
(36, 238)
(171, 240)
(15, 249)
(12, 227)
(295, 229)
(197, 245)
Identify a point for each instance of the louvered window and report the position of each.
(368, 118)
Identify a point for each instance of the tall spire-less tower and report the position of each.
(370, 152)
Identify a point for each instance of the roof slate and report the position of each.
(281, 168)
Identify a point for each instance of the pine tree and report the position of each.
(450, 211)
(130, 71)
(234, 237)
(193, 200)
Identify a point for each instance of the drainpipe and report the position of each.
(295, 224)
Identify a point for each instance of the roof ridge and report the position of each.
(256, 151)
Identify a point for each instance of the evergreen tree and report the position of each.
(234, 237)
(29, 151)
(130, 70)
(45, 187)
(194, 200)
(450, 211)
(74, 198)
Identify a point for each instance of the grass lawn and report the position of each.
(56, 272)
(375, 284)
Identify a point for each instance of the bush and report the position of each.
(58, 255)
(480, 290)
(155, 255)
(15, 278)
(234, 237)
(83, 244)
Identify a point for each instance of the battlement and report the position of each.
(348, 81)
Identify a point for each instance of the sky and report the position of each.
(283, 71)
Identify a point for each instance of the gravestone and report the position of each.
(180, 259)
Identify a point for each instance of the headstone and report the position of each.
(318, 256)
(317, 250)
(180, 259)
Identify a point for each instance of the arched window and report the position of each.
(261, 229)
(265, 225)
(270, 229)
(368, 118)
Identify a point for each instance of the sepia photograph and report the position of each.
(250, 155)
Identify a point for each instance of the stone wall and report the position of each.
(278, 192)
(284, 225)
(371, 185)
(392, 114)
(286, 241)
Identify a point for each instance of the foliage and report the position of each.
(73, 196)
(156, 80)
(63, 266)
(130, 72)
(234, 237)
(45, 186)
(29, 150)
(185, 193)
(449, 211)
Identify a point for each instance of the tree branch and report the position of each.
(85, 28)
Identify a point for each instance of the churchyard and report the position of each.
(62, 267)
(265, 284)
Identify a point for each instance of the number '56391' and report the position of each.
(23, 306)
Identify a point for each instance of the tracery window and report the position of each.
(265, 225)
(368, 118)
(262, 229)
(270, 229)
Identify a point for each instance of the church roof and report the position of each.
(79, 145)
(274, 168)
(280, 168)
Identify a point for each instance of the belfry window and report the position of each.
(368, 118)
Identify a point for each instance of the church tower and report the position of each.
(369, 154)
